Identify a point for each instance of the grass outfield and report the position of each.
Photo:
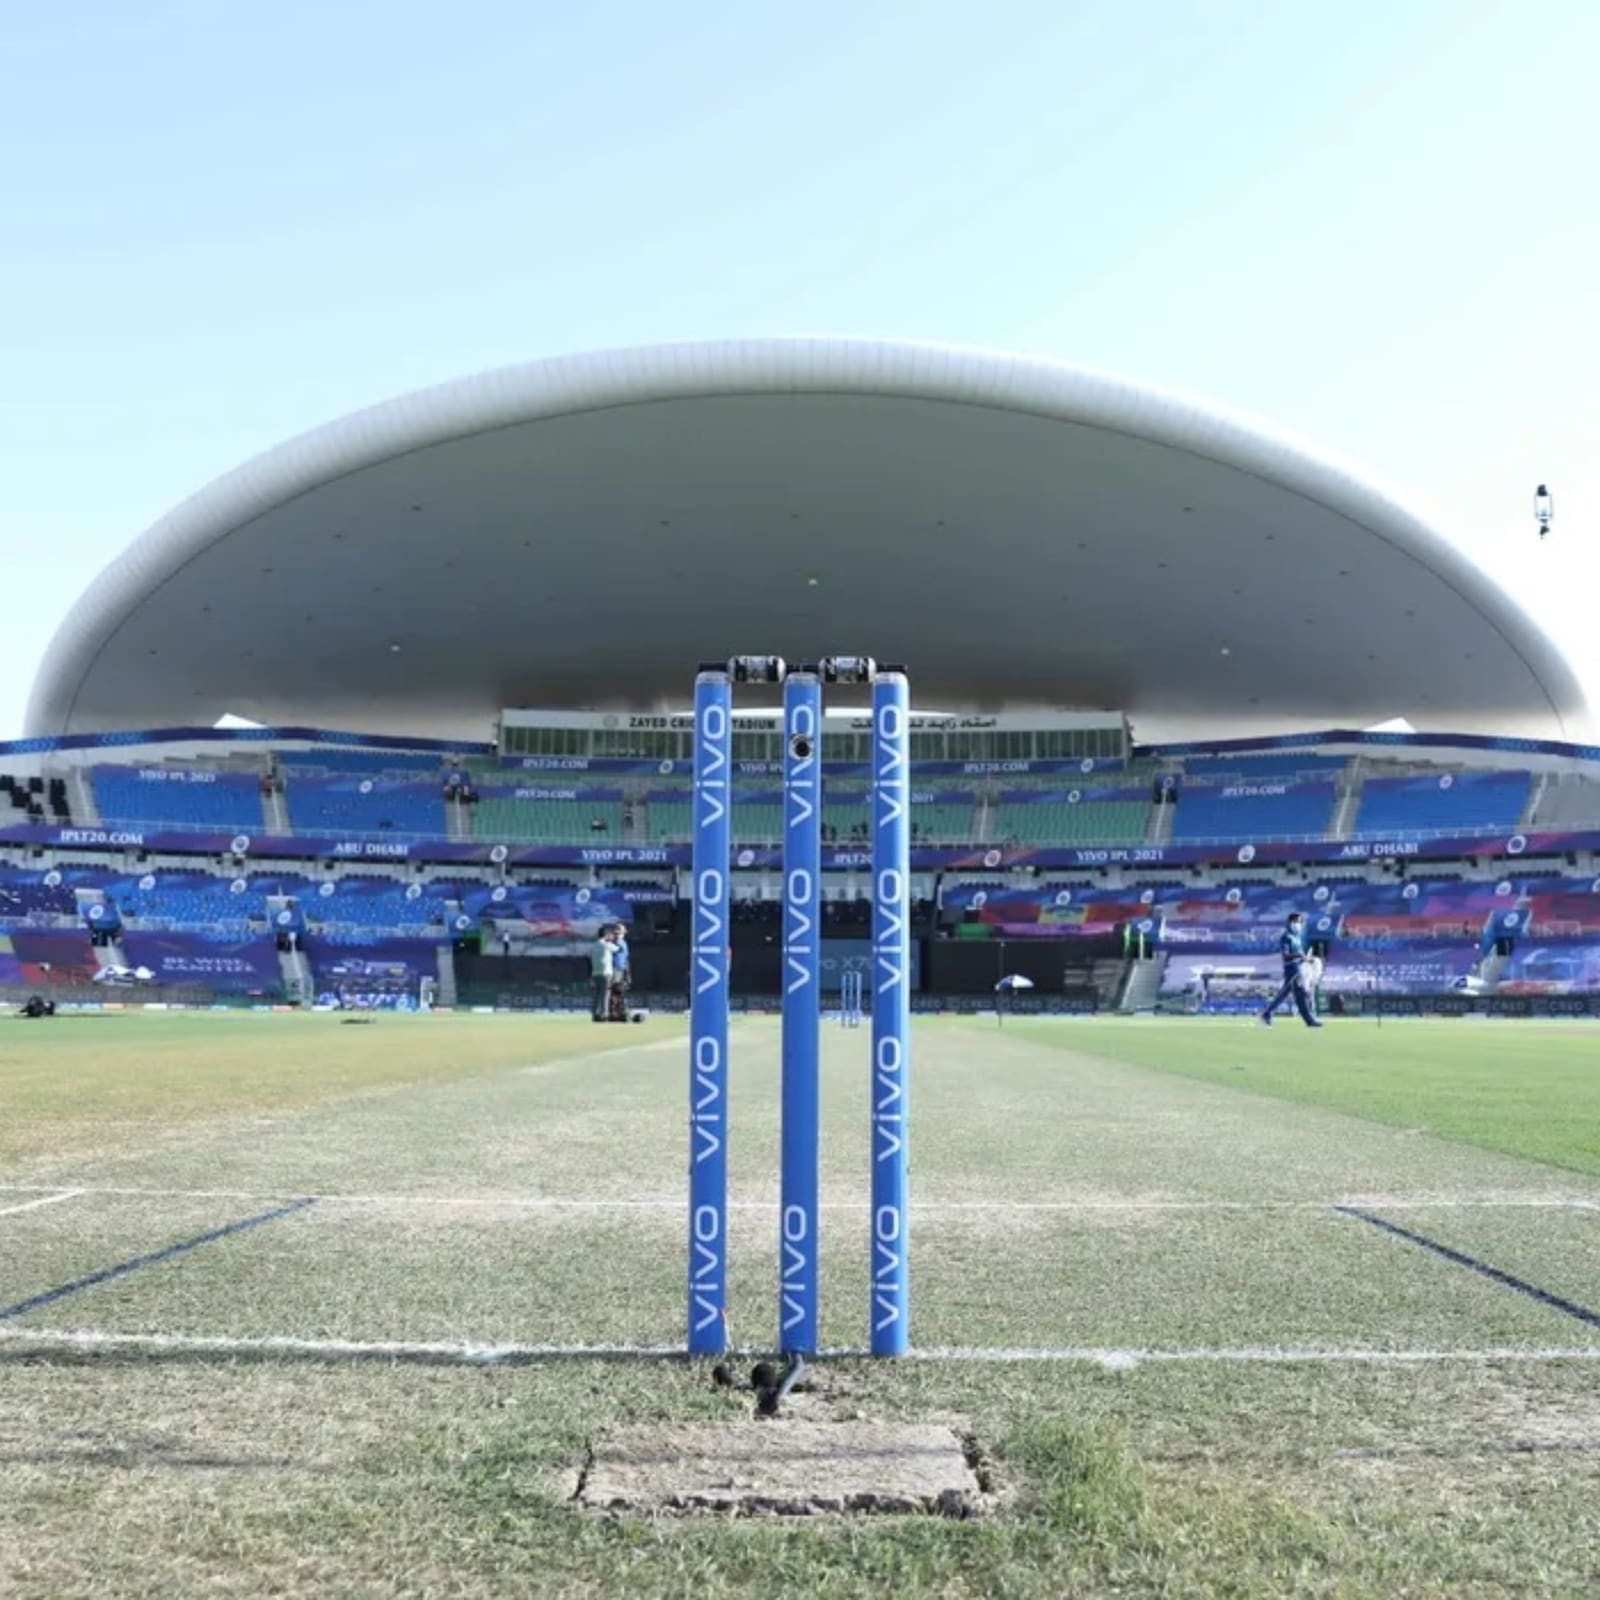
(1231, 1311)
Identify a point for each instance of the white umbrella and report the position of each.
(1013, 983)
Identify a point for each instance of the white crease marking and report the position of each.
(488, 1353)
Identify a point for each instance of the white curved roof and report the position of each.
(581, 532)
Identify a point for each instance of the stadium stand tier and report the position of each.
(181, 797)
(321, 804)
(544, 813)
(1101, 814)
(206, 917)
(1448, 802)
(1257, 809)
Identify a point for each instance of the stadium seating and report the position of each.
(933, 823)
(173, 899)
(499, 814)
(1093, 814)
(33, 799)
(1568, 801)
(1448, 802)
(1269, 810)
(377, 903)
(178, 797)
(191, 898)
(321, 804)
(1041, 910)
(1252, 915)
(757, 820)
(671, 816)
(937, 816)
(847, 814)
(27, 894)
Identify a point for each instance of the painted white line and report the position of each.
(674, 1203)
(1372, 1202)
(1266, 1355)
(52, 1199)
(463, 1352)
(88, 1341)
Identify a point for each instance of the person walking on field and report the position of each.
(602, 972)
(1292, 947)
(620, 979)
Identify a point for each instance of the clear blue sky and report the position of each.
(1373, 223)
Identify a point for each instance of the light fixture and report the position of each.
(1544, 509)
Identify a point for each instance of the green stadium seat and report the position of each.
(1088, 822)
(546, 821)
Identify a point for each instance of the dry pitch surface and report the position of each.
(294, 1307)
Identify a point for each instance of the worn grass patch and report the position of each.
(265, 1481)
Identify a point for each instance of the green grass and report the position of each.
(1126, 1186)
(96, 1082)
(1527, 1090)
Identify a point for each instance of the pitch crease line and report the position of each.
(490, 1353)
(149, 1259)
(1460, 1258)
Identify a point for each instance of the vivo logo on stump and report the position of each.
(798, 1226)
(800, 930)
(708, 1020)
(888, 1280)
(798, 1290)
(711, 768)
(888, 1095)
(891, 1014)
(708, 1254)
(710, 928)
(800, 1093)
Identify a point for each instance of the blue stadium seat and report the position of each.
(320, 804)
(1272, 809)
(178, 797)
(1446, 803)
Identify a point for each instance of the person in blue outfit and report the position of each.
(1292, 947)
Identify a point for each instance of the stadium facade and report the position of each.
(1145, 637)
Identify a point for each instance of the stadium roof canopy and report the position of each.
(581, 532)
